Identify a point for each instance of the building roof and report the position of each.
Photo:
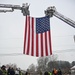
(73, 68)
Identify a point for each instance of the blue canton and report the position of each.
(42, 24)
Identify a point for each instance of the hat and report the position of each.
(3, 66)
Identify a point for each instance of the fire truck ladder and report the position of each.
(24, 8)
(50, 11)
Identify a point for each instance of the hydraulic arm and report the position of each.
(50, 11)
(24, 8)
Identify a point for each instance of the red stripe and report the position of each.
(37, 45)
(50, 42)
(41, 44)
(28, 46)
(25, 36)
(46, 44)
(32, 48)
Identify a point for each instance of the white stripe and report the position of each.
(34, 37)
(39, 44)
(44, 44)
(26, 37)
(30, 36)
(48, 46)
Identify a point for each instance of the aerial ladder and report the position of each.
(24, 8)
(50, 11)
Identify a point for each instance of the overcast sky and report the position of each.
(12, 31)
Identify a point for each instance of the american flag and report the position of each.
(37, 37)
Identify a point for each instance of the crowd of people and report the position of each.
(54, 72)
(16, 71)
(9, 71)
(57, 72)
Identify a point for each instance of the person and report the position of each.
(16, 72)
(50, 73)
(1, 71)
(27, 72)
(3, 68)
(54, 72)
(40, 72)
(20, 73)
(12, 72)
(59, 72)
(46, 73)
(8, 71)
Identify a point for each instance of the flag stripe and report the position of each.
(44, 52)
(46, 43)
(28, 46)
(32, 53)
(25, 36)
(36, 44)
(34, 37)
(50, 42)
(41, 44)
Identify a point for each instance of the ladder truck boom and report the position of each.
(10, 6)
(6, 11)
(50, 11)
(24, 8)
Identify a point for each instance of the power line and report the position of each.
(57, 51)
(10, 38)
(22, 47)
(10, 47)
(64, 35)
(11, 54)
(63, 51)
(22, 37)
